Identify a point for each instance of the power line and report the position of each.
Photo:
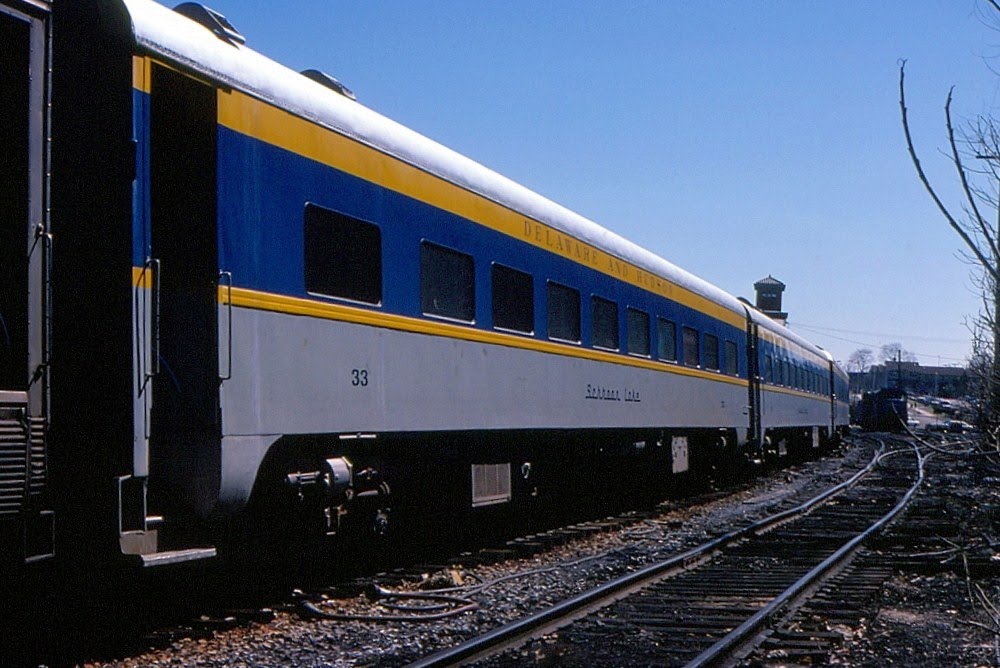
(868, 344)
(881, 335)
(839, 338)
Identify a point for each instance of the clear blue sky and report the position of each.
(735, 139)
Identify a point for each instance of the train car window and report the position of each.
(638, 332)
(343, 256)
(712, 352)
(564, 313)
(666, 340)
(689, 341)
(447, 283)
(513, 300)
(732, 361)
(768, 372)
(604, 323)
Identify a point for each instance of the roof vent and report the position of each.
(212, 20)
(331, 83)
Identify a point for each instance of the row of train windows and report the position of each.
(784, 372)
(343, 259)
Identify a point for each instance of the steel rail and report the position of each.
(598, 597)
(738, 636)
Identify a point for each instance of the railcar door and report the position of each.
(831, 378)
(184, 416)
(755, 435)
(24, 253)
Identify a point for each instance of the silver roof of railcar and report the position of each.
(164, 32)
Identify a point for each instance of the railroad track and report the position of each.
(709, 604)
(357, 606)
(205, 619)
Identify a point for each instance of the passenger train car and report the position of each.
(235, 297)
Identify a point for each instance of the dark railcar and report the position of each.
(25, 255)
(885, 410)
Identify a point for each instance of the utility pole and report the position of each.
(899, 369)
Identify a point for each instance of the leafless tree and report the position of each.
(974, 151)
(861, 360)
(980, 372)
(892, 352)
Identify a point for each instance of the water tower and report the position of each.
(769, 298)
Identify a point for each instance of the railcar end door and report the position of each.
(184, 416)
(755, 435)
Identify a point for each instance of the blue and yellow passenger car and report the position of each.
(253, 296)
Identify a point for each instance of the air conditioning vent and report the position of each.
(490, 484)
(23, 469)
(212, 20)
(331, 83)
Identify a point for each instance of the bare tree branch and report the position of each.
(983, 260)
(963, 177)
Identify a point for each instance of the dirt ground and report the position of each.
(942, 607)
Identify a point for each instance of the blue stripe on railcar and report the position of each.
(140, 186)
(776, 353)
(262, 193)
(261, 197)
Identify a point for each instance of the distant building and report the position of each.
(945, 381)
(769, 298)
